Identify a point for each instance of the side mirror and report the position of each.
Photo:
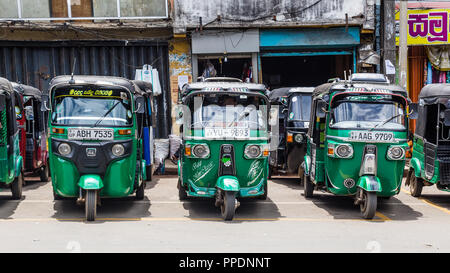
(45, 103)
(413, 111)
(2, 102)
(140, 105)
(321, 109)
(273, 116)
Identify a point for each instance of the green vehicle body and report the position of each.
(208, 176)
(122, 175)
(345, 176)
(11, 161)
(430, 152)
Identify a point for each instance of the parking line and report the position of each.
(429, 203)
(382, 216)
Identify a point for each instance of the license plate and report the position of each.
(369, 136)
(227, 132)
(90, 134)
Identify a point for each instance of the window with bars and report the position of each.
(50, 10)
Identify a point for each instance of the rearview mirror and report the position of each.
(45, 103)
(2, 102)
(321, 109)
(413, 111)
(140, 105)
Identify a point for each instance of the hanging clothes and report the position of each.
(429, 73)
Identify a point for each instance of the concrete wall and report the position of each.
(288, 12)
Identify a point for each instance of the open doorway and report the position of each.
(303, 71)
(240, 68)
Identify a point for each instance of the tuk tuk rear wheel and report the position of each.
(44, 174)
(16, 187)
(416, 186)
(368, 205)
(182, 195)
(308, 186)
(227, 208)
(91, 205)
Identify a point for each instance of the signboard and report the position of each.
(426, 27)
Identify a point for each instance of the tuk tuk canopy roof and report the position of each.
(5, 86)
(435, 90)
(27, 90)
(286, 91)
(187, 88)
(133, 86)
(328, 88)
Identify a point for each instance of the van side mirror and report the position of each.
(413, 111)
(321, 109)
(45, 103)
(140, 105)
(2, 102)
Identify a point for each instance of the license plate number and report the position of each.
(367, 136)
(90, 134)
(227, 132)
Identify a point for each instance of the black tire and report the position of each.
(269, 175)
(227, 208)
(150, 173)
(264, 196)
(44, 174)
(91, 205)
(140, 192)
(16, 187)
(416, 186)
(308, 187)
(182, 195)
(56, 197)
(368, 205)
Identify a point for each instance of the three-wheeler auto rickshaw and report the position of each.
(357, 141)
(33, 131)
(11, 172)
(224, 153)
(95, 144)
(430, 161)
(294, 110)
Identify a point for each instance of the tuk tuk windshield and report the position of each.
(92, 107)
(300, 107)
(357, 112)
(225, 111)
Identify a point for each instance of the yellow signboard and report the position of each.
(427, 27)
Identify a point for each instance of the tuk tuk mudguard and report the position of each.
(415, 164)
(306, 164)
(228, 183)
(18, 167)
(369, 183)
(90, 182)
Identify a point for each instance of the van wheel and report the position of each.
(415, 186)
(227, 208)
(91, 205)
(308, 186)
(182, 195)
(368, 205)
(44, 174)
(16, 187)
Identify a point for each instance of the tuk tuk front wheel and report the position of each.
(416, 186)
(227, 208)
(264, 196)
(44, 174)
(140, 192)
(91, 205)
(368, 204)
(16, 187)
(182, 195)
(308, 186)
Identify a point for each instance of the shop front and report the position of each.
(307, 56)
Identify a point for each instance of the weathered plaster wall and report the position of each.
(260, 13)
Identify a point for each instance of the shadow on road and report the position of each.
(7, 205)
(441, 200)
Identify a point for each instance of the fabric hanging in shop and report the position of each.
(439, 56)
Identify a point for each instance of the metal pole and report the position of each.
(403, 46)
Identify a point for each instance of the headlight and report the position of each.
(298, 138)
(396, 153)
(344, 150)
(201, 150)
(252, 151)
(118, 150)
(64, 149)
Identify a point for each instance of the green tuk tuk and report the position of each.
(95, 143)
(224, 153)
(357, 129)
(11, 172)
(430, 161)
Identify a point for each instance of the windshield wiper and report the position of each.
(384, 122)
(107, 112)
